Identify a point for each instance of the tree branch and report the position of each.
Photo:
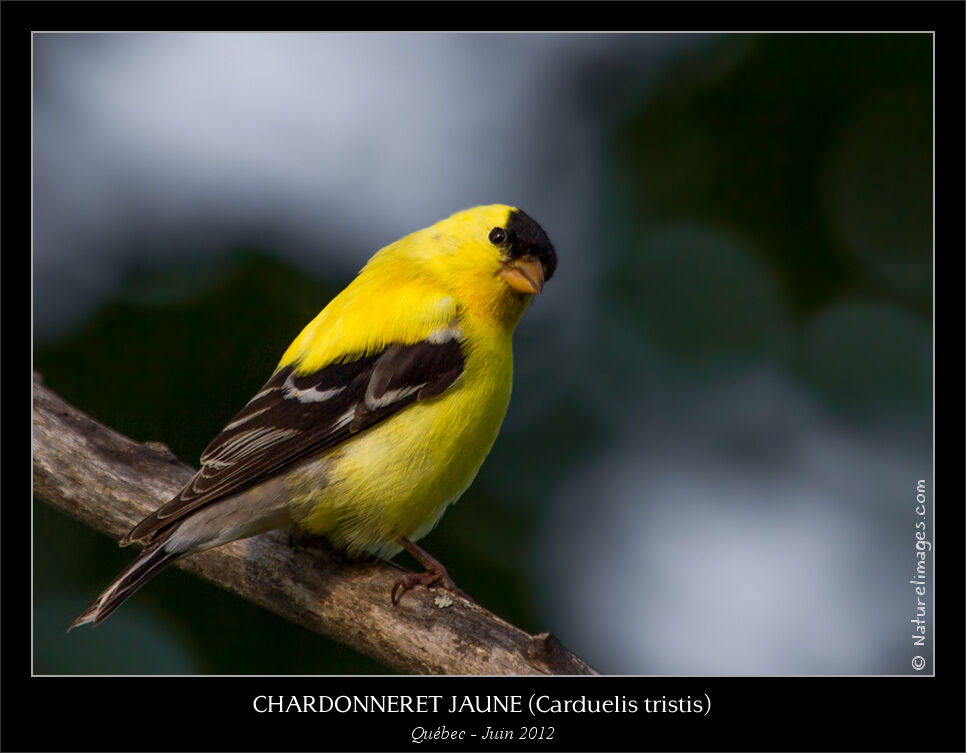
(111, 482)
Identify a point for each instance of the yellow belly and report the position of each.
(397, 478)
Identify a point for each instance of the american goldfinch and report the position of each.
(379, 414)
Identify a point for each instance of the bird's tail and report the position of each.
(148, 564)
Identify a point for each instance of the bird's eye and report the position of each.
(497, 236)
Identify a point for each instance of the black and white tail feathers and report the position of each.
(148, 564)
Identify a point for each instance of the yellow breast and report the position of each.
(397, 478)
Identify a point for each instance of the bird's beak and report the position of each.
(524, 275)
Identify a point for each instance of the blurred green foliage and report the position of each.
(754, 151)
(781, 206)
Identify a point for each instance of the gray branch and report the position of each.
(110, 483)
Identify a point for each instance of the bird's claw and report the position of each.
(429, 579)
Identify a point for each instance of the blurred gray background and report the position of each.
(722, 401)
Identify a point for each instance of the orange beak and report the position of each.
(523, 275)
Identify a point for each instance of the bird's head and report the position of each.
(493, 259)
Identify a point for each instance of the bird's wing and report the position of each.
(297, 416)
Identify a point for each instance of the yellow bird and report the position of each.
(379, 414)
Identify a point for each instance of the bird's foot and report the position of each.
(435, 575)
(429, 578)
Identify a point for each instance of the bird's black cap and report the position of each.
(525, 237)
